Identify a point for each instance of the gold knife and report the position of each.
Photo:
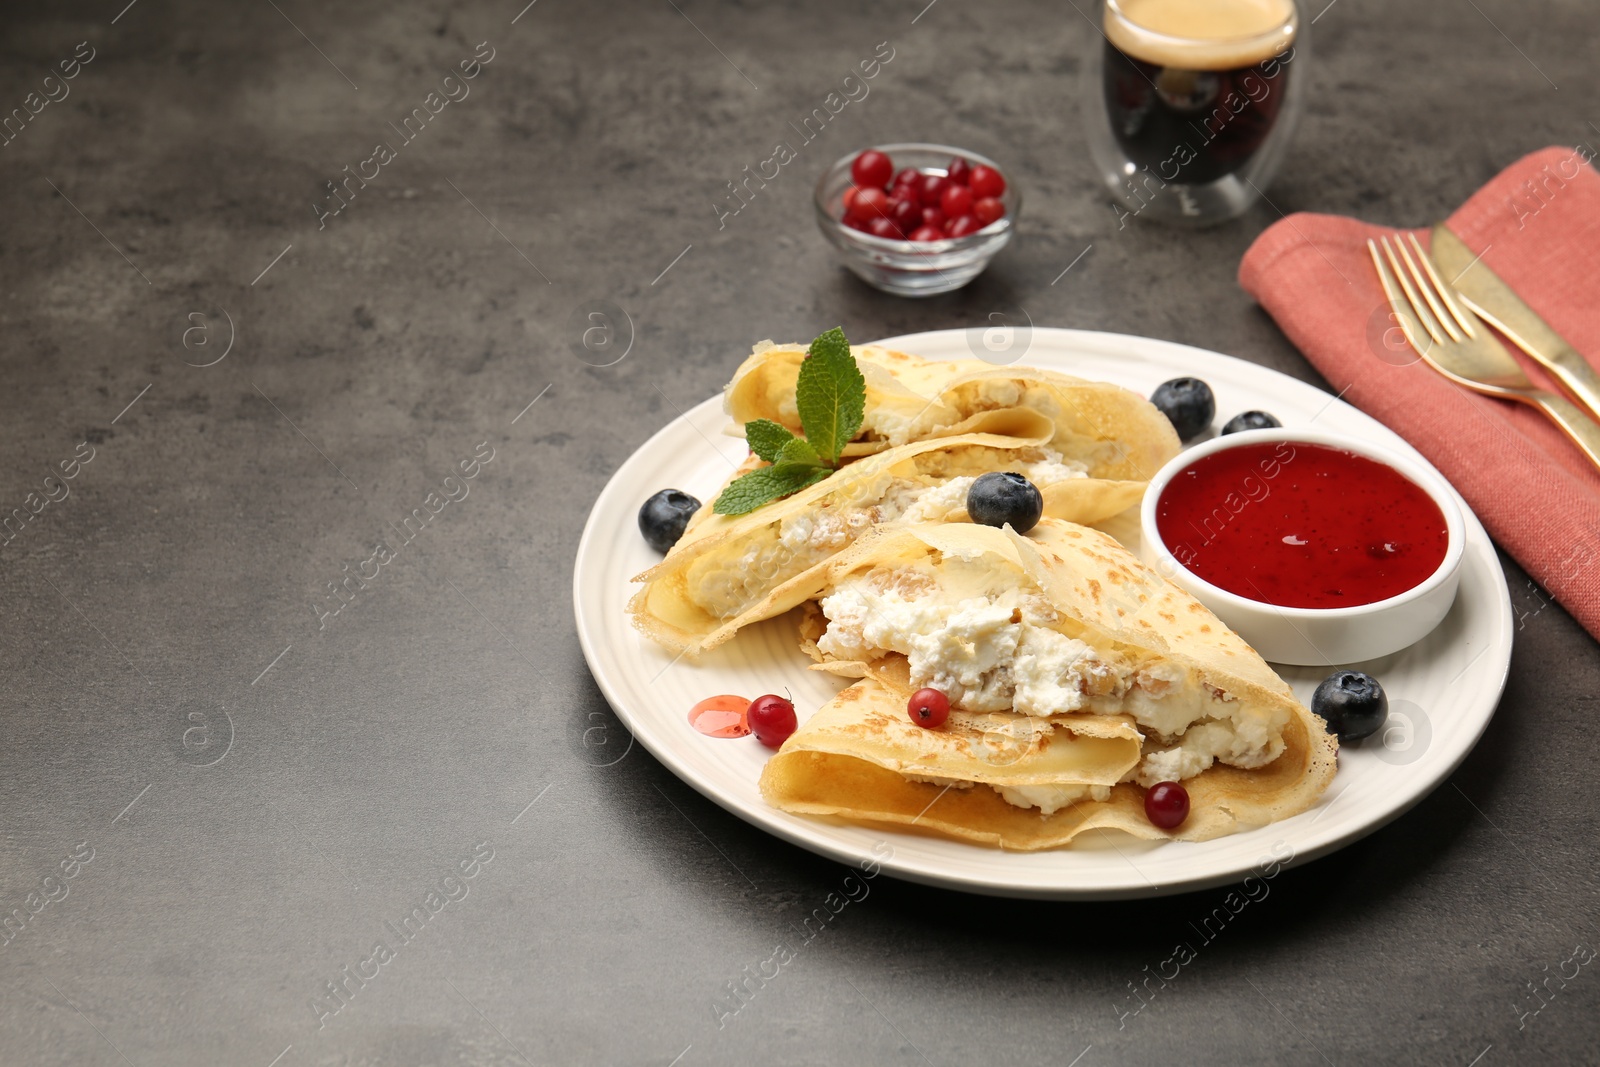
(1497, 304)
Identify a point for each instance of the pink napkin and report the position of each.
(1537, 224)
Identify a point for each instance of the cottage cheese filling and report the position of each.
(1049, 799)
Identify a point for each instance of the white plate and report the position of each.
(1442, 691)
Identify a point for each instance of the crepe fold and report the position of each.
(828, 768)
(730, 571)
(860, 758)
(1121, 434)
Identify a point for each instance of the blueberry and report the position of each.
(1352, 704)
(664, 516)
(996, 499)
(1188, 405)
(1250, 420)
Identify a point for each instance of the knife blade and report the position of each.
(1498, 304)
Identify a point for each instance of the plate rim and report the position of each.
(797, 830)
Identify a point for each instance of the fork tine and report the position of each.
(1446, 292)
(1426, 286)
(1395, 305)
(1419, 307)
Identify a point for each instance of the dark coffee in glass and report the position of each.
(1193, 88)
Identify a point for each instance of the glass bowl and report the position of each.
(913, 268)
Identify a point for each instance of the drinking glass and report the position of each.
(1190, 104)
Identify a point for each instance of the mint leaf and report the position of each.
(767, 438)
(764, 485)
(831, 395)
(831, 344)
(798, 451)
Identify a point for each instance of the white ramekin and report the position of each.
(1319, 636)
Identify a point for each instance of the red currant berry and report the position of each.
(932, 216)
(908, 185)
(927, 233)
(1166, 804)
(986, 181)
(870, 204)
(771, 719)
(933, 187)
(929, 708)
(882, 227)
(850, 198)
(988, 209)
(906, 215)
(872, 169)
(960, 172)
(961, 227)
(855, 223)
(957, 201)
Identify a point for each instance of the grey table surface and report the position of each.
(213, 799)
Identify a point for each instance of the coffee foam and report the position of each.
(1201, 34)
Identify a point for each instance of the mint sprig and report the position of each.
(831, 396)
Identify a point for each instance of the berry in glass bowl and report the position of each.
(906, 219)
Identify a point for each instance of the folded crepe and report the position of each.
(1077, 678)
(1120, 434)
(729, 571)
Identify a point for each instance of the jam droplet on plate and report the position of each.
(721, 716)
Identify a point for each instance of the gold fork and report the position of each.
(1457, 344)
